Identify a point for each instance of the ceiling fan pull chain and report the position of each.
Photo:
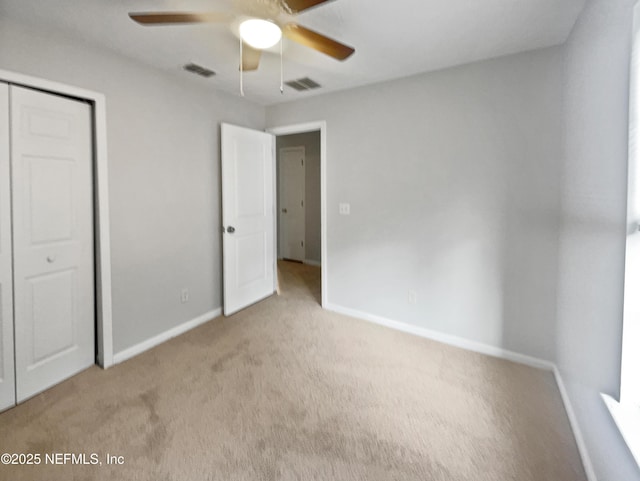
(281, 70)
(241, 71)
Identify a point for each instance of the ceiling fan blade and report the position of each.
(301, 5)
(250, 57)
(317, 41)
(168, 18)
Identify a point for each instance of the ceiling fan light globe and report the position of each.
(260, 33)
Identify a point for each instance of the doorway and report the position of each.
(302, 236)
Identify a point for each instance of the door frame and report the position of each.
(320, 125)
(102, 239)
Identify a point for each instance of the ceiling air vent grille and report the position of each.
(199, 70)
(303, 84)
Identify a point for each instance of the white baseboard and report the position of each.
(575, 427)
(446, 338)
(312, 262)
(164, 336)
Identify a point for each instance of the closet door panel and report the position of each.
(51, 158)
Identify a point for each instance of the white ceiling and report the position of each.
(392, 38)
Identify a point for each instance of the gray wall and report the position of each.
(311, 143)
(453, 181)
(163, 171)
(591, 257)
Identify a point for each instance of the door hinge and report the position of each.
(302, 243)
(302, 203)
(302, 162)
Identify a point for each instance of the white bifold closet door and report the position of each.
(52, 232)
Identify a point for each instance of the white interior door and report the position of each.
(7, 373)
(292, 209)
(51, 158)
(247, 216)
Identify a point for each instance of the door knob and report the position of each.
(284, 211)
(51, 259)
(231, 229)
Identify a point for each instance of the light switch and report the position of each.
(345, 209)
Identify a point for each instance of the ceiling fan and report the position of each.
(264, 22)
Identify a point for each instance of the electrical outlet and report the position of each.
(412, 297)
(344, 208)
(184, 295)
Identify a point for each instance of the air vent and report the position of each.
(199, 70)
(303, 84)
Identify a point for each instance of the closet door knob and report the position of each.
(231, 229)
(51, 259)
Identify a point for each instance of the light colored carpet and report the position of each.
(287, 391)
